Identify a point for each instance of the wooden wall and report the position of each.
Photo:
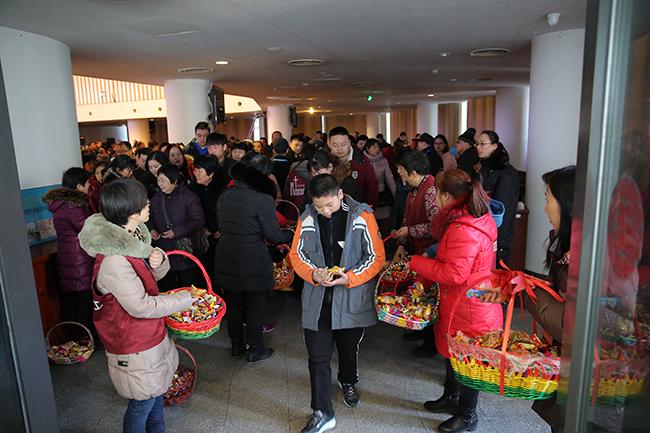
(355, 122)
(238, 126)
(404, 120)
(449, 121)
(308, 124)
(480, 113)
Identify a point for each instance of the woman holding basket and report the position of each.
(129, 312)
(465, 257)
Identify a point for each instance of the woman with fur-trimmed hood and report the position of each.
(70, 208)
(128, 311)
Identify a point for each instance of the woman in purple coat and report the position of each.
(184, 218)
(70, 207)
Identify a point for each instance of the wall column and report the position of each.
(427, 118)
(511, 123)
(138, 130)
(555, 88)
(187, 104)
(42, 112)
(372, 125)
(277, 119)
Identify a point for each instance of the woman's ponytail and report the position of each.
(477, 199)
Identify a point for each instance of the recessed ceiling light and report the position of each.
(351, 114)
(453, 80)
(435, 71)
(325, 79)
(278, 88)
(222, 62)
(306, 62)
(489, 52)
(444, 54)
(475, 79)
(273, 49)
(311, 110)
(305, 84)
(431, 95)
(195, 70)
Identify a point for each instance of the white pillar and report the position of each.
(138, 130)
(555, 88)
(427, 118)
(37, 77)
(277, 119)
(372, 125)
(187, 104)
(511, 123)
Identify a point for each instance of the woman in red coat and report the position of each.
(465, 257)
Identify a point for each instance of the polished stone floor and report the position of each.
(233, 397)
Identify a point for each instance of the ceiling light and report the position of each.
(194, 70)
(306, 62)
(325, 79)
(489, 52)
(278, 88)
(435, 71)
(273, 49)
(222, 62)
(431, 95)
(185, 32)
(476, 79)
(444, 54)
(453, 80)
(351, 114)
(553, 18)
(311, 110)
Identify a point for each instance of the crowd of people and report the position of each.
(224, 200)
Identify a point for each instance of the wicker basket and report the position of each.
(284, 275)
(528, 377)
(196, 330)
(392, 280)
(184, 381)
(409, 322)
(55, 355)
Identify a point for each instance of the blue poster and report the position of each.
(40, 227)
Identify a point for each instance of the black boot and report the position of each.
(257, 354)
(238, 348)
(448, 403)
(465, 420)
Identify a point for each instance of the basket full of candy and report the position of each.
(204, 316)
(283, 272)
(619, 374)
(183, 381)
(507, 362)
(395, 277)
(70, 352)
(414, 309)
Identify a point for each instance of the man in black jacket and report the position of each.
(217, 147)
(425, 145)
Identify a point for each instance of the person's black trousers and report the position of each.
(320, 345)
(467, 397)
(249, 308)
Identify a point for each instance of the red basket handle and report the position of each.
(189, 355)
(197, 262)
(277, 202)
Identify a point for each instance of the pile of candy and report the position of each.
(182, 383)
(205, 307)
(398, 271)
(70, 350)
(281, 271)
(519, 343)
(414, 304)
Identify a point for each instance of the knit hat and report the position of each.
(468, 136)
(427, 138)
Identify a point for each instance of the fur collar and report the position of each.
(498, 160)
(253, 179)
(67, 195)
(100, 236)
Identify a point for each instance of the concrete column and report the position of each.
(187, 104)
(277, 119)
(139, 130)
(372, 125)
(427, 118)
(511, 123)
(555, 88)
(37, 77)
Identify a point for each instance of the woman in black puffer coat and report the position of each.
(501, 181)
(243, 266)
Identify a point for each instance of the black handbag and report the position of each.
(196, 245)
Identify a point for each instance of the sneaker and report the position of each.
(350, 394)
(319, 423)
(259, 355)
(268, 327)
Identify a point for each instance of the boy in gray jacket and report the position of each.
(338, 251)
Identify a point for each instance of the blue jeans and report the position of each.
(144, 413)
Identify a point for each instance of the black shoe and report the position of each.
(350, 394)
(459, 423)
(259, 355)
(425, 351)
(413, 335)
(448, 403)
(319, 423)
(238, 348)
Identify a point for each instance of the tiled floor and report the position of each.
(233, 397)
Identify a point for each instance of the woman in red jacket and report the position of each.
(465, 257)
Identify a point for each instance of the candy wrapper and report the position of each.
(396, 276)
(70, 350)
(415, 304)
(205, 306)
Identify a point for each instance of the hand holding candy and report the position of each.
(342, 280)
(321, 275)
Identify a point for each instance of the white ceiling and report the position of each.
(392, 44)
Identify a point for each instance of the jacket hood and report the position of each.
(57, 197)
(498, 160)
(484, 224)
(354, 207)
(100, 236)
(254, 179)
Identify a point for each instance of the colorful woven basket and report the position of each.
(395, 277)
(196, 330)
(71, 352)
(183, 382)
(283, 274)
(528, 377)
(433, 299)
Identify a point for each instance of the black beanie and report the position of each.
(468, 136)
